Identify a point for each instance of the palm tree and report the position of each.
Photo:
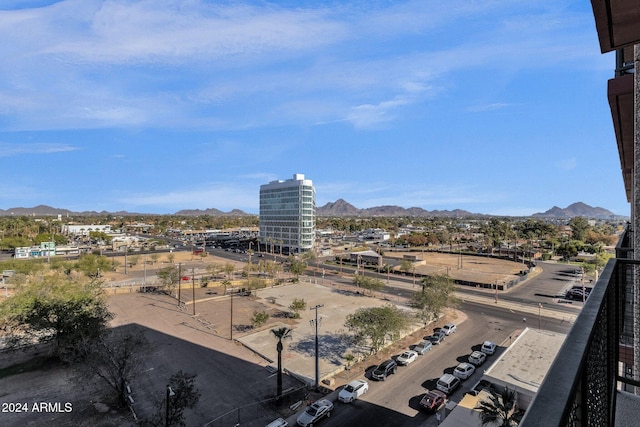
(280, 333)
(500, 409)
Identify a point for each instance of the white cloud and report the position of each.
(488, 107)
(568, 164)
(7, 149)
(197, 64)
(219, 195)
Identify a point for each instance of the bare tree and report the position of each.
(116, 359)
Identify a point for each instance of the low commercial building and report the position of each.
(366, 257)
(84, 229)
(521, 368)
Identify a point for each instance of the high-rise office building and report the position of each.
(288, 215)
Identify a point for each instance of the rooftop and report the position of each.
(526, 362)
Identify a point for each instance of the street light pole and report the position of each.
(170, 393)
(317, 356)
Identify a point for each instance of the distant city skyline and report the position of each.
(493, 107)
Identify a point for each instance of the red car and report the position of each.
(433, 400)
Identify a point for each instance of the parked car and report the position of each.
(422, 347)
(406, 357)
(464, 370)
(488, 348)
(577, 294)
(383, 370)
(448, 383)
(449, 328)
(353, 390)
(477, 358)
(314, 413)
(436, 338)
(433, 400)
(280, 422)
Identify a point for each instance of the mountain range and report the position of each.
(343, 208)
(338, 208)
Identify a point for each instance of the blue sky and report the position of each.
(153, 106)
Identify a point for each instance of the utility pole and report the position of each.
(193, 289)
(539, 316)
(317, 356)
(179, 282)
(231, 322)
(144, 283)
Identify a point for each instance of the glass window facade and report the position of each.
(287, 214)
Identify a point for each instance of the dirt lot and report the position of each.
(181, 341)
(463, 267)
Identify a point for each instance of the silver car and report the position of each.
(422, 347)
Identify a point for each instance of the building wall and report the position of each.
(287, 214)
(635, 213)
(83, 230)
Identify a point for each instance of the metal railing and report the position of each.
(580, 388)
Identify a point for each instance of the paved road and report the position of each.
(394, 402)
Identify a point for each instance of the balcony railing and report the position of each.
(596, 359)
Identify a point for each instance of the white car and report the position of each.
(449, 328)
(314, 413)
(464, 370)
(488, 347)
(353, 390)
(477, 358)
(406, 357)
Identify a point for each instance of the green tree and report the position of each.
(438, 292)
(58, 239)
(213, 268)
(56, 309)
(569, 249)
(185, 396)
(259, 318)
(296, 266)
(602, 259)
(16, 242)
(579, 227)
(171, 257)
(253, 283)
(91, 265)
(296, 306)
(280, 334)
(154, 258)
(500, 409)
(168, 277)
(406, 266)
(368, 283)
(229, 269)
(377, 324)
(309, 258)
